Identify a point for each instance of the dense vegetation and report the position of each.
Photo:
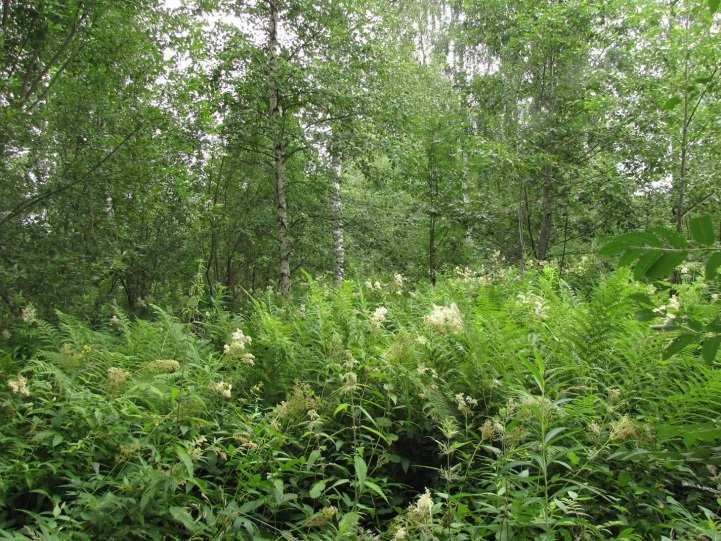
(360, 269)
(506, 405)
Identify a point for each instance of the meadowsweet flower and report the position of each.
(422, 510)
(19, 385)
(535, 302)
(399, 280)
(400, 535)
(594, 428)
(164, 366)
(673, 304)
(322, 518)
(236, 348)
(623, 429)
(114, 321)
(379, 316)
(445, 318)
(464, 273)
(714, 297)
(487, 430)
(421, 340)
(29, 314)
(6, 334)
(117, 376)
(222, 388)
(465, 403)
(614, 394)
(350, 382)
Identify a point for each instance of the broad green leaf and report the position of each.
(317, 489)
(678, 344)
(710, 348)
(702, 230)
(712, 265)
(551, 434)
(185, 459)
(375, 488)
(361, 469)
(180, 514)
(665, 264)
(714, 5)
(645, 262)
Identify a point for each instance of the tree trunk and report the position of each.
(336, 210)
(544, 235)
(680, 187)
(281, 205)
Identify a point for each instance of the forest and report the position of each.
(360, 270)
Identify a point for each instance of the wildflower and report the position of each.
(399, 280)
(19, 385)
(535, 302)
(298, 404)
(614, 394)
(594, 428)
(465, 403)
(222, 388)
(165, 366)
(423, 369)
(445, 318)
(29, 314)
(464, 273)
(245, 441)
(114, 321)
(623, 429)
(247, 358)
(117, 376)
(400, 535)
(322, 518)
(6, 334)
(379, 316)
(350, 382)
(487, 430)
(714, 297)
(422, 340)
(422, 510)
(673, 303)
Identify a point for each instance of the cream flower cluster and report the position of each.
(379, 316)
(535, 302)
(238, 342)
(445, 318)
(19, 385)
(222, 388)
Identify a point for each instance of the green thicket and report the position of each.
(497, 405)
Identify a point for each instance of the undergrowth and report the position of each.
(512, 406)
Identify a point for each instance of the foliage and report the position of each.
(534, 409)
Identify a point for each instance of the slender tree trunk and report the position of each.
(336, 210)
(281, 205)
(432, 215)
(682, 181)
(544, 235)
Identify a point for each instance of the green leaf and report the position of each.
(710, 348)
(185, 459)
(645, 262)
(702, 231)
(348, 523)
(317, 489)
(678, 344)
(180, 514)
(375, 488)
(712, 265)
(714, 5)
(361, 470)
(670, 103)
(553, 433)
(665, 264)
